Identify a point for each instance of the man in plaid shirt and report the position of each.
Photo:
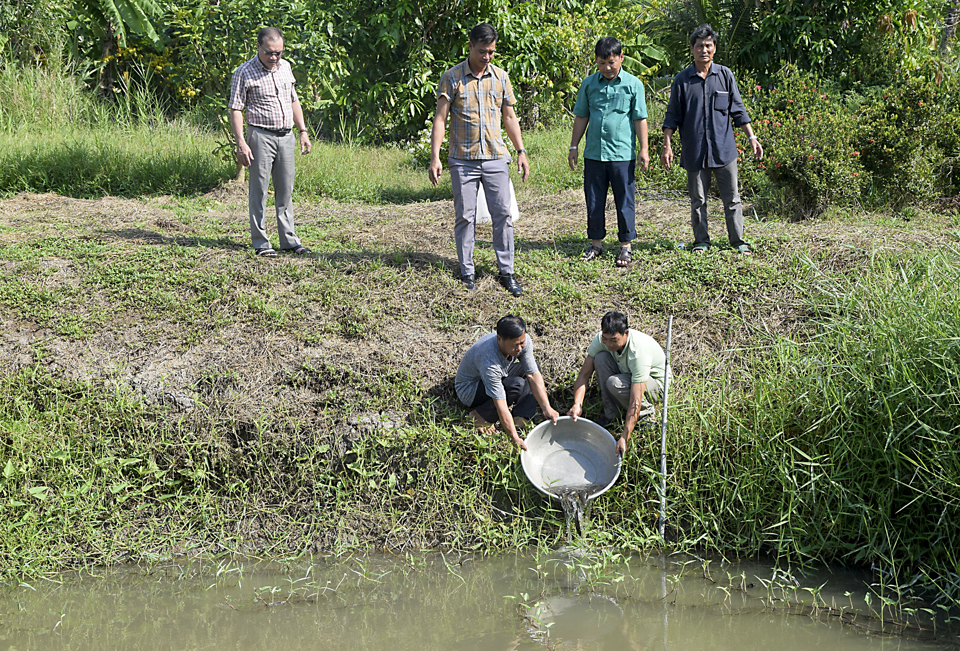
(263, 87)
(477, 96)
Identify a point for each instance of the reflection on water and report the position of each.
(562, 600)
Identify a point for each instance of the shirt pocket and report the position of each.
(721, 102)
(621, 103)
(494, 94)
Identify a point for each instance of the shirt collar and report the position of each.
(264, 68)
(468, 71)
(692, 71)
(601, 79)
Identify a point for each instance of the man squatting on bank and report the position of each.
(263, 88)
(612, 108)
(630, 367)
(704, 106)
(498, 379)
(476, 95)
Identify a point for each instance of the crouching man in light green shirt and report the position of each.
(630, 371)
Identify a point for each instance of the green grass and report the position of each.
(814, 416)
(839, 444)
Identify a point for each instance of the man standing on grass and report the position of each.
(705, 106)
(630, 367)
(498, 380)
(477, 95)
(612, 102)
(263, 87)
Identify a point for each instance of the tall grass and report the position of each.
(42, 98)
(841, 445)
(56, 136)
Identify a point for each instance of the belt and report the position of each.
(276, 132)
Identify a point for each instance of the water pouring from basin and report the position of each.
(572, 461)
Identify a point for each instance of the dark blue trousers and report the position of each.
(618, 175)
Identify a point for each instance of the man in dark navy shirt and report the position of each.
(705, 106)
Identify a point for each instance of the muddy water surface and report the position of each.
(559, 600)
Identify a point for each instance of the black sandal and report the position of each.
(298, 250)
(591, 253)
(265, 252)
(624, 257)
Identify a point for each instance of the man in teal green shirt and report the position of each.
(612, 102)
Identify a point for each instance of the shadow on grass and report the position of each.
(398, 259)
(153, 237)
(370, 189)
(398, 195)
(570, 246)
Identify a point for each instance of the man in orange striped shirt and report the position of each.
(477, 97)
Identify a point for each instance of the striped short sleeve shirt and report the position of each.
(265, 96)
(475, 111)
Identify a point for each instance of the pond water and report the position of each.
(557, 600)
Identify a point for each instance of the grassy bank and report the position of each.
(167, 391)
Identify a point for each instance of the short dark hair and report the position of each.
(268, 34)
(704, 32)
(608, 46)
(483, 33)
(511, 327)
(614, 323)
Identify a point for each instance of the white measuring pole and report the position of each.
(663, 434)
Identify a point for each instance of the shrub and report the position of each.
(910, 138)
(810, 158)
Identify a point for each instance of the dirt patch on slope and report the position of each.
(247, 371)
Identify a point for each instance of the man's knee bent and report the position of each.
(515, 388)
(618, 389)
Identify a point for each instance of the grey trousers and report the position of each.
(698, 184)
(615, 388)
(273, 155)
(466, 177)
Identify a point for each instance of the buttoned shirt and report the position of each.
(266, 96)
(704, 111)
(475, 111)
(611, 107)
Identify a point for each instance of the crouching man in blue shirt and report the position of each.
(705, 106)
(498, 379)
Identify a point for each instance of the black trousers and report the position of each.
(519, 397)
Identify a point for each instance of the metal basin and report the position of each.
(571, 456)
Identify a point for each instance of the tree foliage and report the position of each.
(368, 68)
(116, 18)
(823, 36)
(672, 22)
